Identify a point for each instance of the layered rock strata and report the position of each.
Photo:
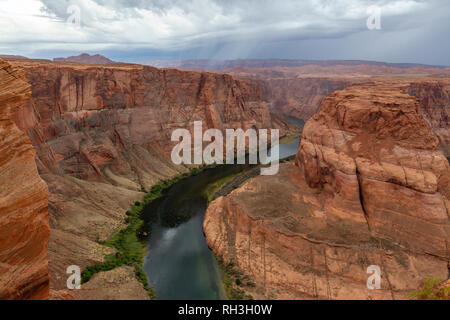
(370, 187)
(24, 224)
(298, 93)
(434, 96)
(301, 97)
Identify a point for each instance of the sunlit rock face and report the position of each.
(24, 223)
(370, 186)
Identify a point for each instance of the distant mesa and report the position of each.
(10, 56)
(86, 58)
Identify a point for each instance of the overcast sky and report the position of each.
(138, 30)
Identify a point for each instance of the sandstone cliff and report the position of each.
(292, 94)
(370, 187)
(435, 105)
(371, 146)
(301, 97)
(102, 135)
(24, 225)
(298, 92)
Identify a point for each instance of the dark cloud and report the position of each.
(412, 30)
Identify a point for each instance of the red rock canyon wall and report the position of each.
(24, 225)
(370, 186)
(102, 135)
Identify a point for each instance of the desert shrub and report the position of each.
(429, 290)
(130, 250)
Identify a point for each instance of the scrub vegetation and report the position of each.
(431, 291)
(129, 241)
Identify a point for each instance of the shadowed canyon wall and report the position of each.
(292, 94)
(370, 186)
(298, 92)
(434, 99)
(301, 98)
(24, 226)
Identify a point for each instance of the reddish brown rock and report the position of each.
(278, 233)
(371, 148)
(370, 187)
(291, 93)
(88, 114)
(435, 105)
(301, 97)
(24, 225)
(102, 136)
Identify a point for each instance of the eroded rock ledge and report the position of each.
(369, 187)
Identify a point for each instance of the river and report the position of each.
(179, 265)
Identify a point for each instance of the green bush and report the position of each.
(130, 250)
(429, 291)
(230, 273)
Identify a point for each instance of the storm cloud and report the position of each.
(136, 30)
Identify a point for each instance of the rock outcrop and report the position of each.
(102, 135)
(369, 188)
(114, 124)
(24, 224)
(294, 95)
